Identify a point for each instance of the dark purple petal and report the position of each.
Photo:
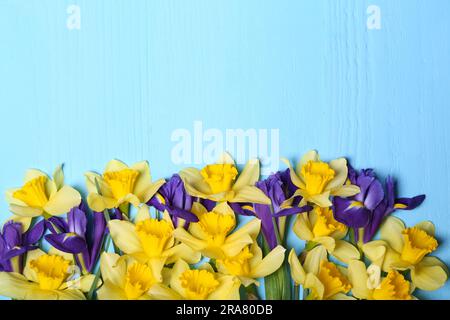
(56, 225)
(34, 234)
(183, 214)
(12, 233)
(14, 252)
(263, 212)
(352, 174)
(239, 209)
(99, 226)
(347, 213)
(410, 203)
(77, 221)
(292, 211)
(208, 204)
(67, 242)
(117, 214)
(374, 195)
(154, 202)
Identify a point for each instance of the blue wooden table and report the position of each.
(85, 81)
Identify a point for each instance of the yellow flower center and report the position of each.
(417, 244)
(316, 175)
(33, 192)
(332, 279)
(138, 281)
(393, 287)
(121, 182)
(239, 265)
(219, 177)
(216, 226)
(154, 236)
(198, 284)
(51, 271)
(325, 223)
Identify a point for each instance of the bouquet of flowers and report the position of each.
(214, 234)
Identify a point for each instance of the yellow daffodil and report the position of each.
(221, 182)
(367, 283)
(125, 278)
(318, 227)
(402, 248)
(212, 235)
(324, 280)
(317, 180)
(51, 276)
(150, 241)
(248, 264)
(42, 196)
(120, 185)
(200, 284)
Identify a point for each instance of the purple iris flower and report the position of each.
(369, 208)
(78, 235)
(278, 188)
(14, 242)
(172, 196)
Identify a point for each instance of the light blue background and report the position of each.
(139, 69)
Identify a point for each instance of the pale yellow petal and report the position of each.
(99, 203)
(250, 194)
(314, 259)
(225, 158)
(227, 290)
(31, 174)
(429, 274)
(142, 214)
(375, 251)
(194, 183)
(313, 283)
(178, 268)
(297, 272)
(328, 242)
(124, 236)
(345, 252)
(28, 272)
(391, 232)
(345, 191)
(113, 268)
(312, 155)
(270, 263)
(63, 200)
(184, 252)
(340, 173)
(427, 226)
(302, 227)
(322, 200)
(251, 228)
(14, 285)
(58, 177)
(185, 237)
(162, 292)
(151, 190)
(109, 291)
(249, 175)
(293, 175)
(96, 184)
(26, 212)
(115, 165)
(357, 274)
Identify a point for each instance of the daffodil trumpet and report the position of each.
(221, 182)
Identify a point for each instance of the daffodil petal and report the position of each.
(113, 268)
(124, 236)
(194, 183)
(302, 227)
(270, 263)
(345, 252)
(429, 274)
(64, 199)
(357, 274)
(341, 173)
(109, 291)
(391, 232)
(249, 175)
(27, 212)
(250, 194)
(297, 272)
(314, 258)
(185, 237)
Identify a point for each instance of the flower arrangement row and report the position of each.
(214, 234)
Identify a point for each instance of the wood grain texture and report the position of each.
(137, 70)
